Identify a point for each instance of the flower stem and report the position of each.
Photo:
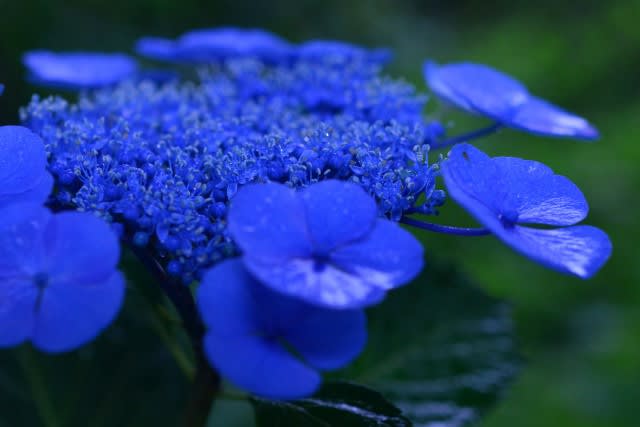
(207, 382)
(468, 136)
(446, 229)
(41, 396)
(204, 389)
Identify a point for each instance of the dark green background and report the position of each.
(581, 338)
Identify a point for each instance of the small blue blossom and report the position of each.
(504, 193)
(157, 48)
(78, 70)
(251, 330)
(325, 244)
(58, 281)
(338, 51)
(1, 88)
(216, 44)
(23, 161)
(481, 90)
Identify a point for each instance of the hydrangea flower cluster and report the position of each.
(276, 179)
(164, 160)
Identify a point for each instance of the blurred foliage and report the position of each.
(580, 337)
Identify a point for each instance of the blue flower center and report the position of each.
(41, 280)
(508, 217)
(320, 262)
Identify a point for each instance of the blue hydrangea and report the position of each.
(78, 70)
(505, 194)
(479, 89)
(23, 174)
(325, 244)
(163, 160)
(296, 159)
(58, 281)
(252, 330)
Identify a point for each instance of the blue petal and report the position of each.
(268, 220)
(23, 163)
(338, 212)
(542, 118)
(17, 314)
(536, 194)
(337, 50)
(579, 250)
(515, 190)
(81, 248)
(38, 193)
(386, 258)
(157, 48)
(1, 88)
(476, 88)
(225, 301)
(23, 240)
(261, 366)
(214, 44)
(78, 70)
(325, 285)
(472, 180)
(69, 315)
(328, 339)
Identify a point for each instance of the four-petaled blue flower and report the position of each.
(78, 70)
(503, 193)
(251, 329)
(23, 174)
(215, 44)
(325, 244)
(479, 89)
(58, 281)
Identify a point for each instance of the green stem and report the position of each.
(207, 382)
(35, 379)
(181, 358)
(204, 390)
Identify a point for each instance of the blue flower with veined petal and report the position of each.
(325, 244)
(251, 329)
(23, 161)
(481, 90)
(504, 193)
(215, 44)
(78, 70)
(58, 281)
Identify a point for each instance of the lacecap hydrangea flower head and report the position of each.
(276, 182)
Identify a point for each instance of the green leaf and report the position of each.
(442, 350)
(336, 404)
